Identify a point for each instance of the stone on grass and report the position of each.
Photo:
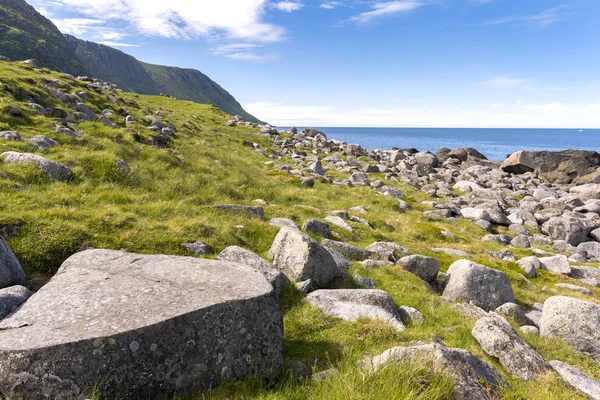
(349, 251)
(10, 135)
(301, 258)
(150, 326)
(529, 265)
(574, 321)
(339, 222)
(343, 264)
(252, 211)
(484, 287)
(411, 316)
(530, 330)
(575, 288)
(452, 252)
(199, 248)
(317, 227)
(51, 168)
(237, 254)
(558, 264)
(425, 268)
(363, 283)
(473, 379)
(577, 379)
(281, 222)
(572, 230)
(386, 251)
(498, 339)
(515, 311)
(11, 273)
(351, 304)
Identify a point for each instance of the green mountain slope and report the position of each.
(25, 33)
(132, 75)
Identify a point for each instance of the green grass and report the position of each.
(168, 199)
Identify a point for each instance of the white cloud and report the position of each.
(330, 5)
(181, 19)
(288, 6)
(381, 10)
(77, 26)
(503, 82)
(117, 44)
(542, 19)
(553, 115)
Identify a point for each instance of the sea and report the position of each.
(495, 144)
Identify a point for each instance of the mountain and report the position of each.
(132, 75)
(25, 33)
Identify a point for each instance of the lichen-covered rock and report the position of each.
(425, 268)
(386, 251)
(473, 378)
(498, 339)
(573, 230)
(144, 326)
(11, 273)
(11, 298)
(484, 287)
(302, 258)
(575, 322)
(251, 211)
(348, 250)
(276, 278)
(577, 379)
(351, 304)
(51, 168)
(558, 264)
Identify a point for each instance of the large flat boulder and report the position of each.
(302, 258)
(485, 287)
(351, 304)
(558, 167)
(11, 272)
(142, 327)
(473, 378)
(237, 254)
(575, 322)
(51, 168)
(498, 339)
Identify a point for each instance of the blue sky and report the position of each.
(430, 63)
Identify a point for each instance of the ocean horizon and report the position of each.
(494, 143)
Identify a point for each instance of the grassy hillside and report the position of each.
(168, 199)
(25, 33)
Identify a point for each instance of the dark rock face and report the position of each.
(141, 327)
(558, 167)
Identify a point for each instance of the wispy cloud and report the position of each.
(77, 26)
(288, 6)
(543, 19)
(242, 51)
(117, 44)
(330, 5)
(503, 82)
(382, 10)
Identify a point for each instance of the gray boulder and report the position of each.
(10, 135)
(473, 378)
(498, 339)
(149, 326)
(339, 222)
(199, 248)
(386, 251)
(575, 322)
(426, 268)
(11, 298)
(53, 169)
(302, 258)
(348, 250)
(351, 304)
(558, 264)
(276, 278)
(577, 379)
(343, 264)
(515, 311)
(84, 108)
(317, 168)
(11, 273)
(251, 211)
(411, 316)
(485, 287)
(530, 265)
(317, 227)
(573, 230)
(281, 222)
